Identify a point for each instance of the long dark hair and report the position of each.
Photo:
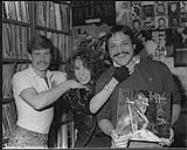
(90, 61)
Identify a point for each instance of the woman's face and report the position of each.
(82, 74)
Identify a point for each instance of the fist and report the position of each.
(121, 73)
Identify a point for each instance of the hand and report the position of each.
(168, 141)
(119, 141)
(75, 85)
(57, 78)
(121, 74)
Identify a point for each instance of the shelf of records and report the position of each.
(8, 121)
(8, 70)
(15, 40)
(16, 10)
(52, 15)
(48, 14)
(62, 45)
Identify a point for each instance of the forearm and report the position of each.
(106, 126)
(176, 110)
(99, 99)
(48, 97)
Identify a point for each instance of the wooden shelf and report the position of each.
(15, 22)
(7, 60)
(63, 31)
(7, 100)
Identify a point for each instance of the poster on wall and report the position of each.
(161, 22)
(180, 44)
(123, 13)
(161, 8)
(148, 11)
(174, 8)
(163, 38)
(89, 12)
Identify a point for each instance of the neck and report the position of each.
(40, 73)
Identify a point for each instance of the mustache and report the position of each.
(117, 54)
(43, 62)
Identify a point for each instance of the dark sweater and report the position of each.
(149, 77)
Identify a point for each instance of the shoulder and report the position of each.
(154, 64)
(21, 74)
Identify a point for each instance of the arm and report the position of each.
(105, 90)
(98, 100)
(171, 85)
(106, 126)
(23, 88)
(41, 100)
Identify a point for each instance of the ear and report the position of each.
(30, 57)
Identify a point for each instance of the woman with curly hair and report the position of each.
(85, 67)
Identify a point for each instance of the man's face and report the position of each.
(120, 48)
(40, 59)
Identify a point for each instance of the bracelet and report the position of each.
(108, 88)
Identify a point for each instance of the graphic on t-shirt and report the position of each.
(144, 113)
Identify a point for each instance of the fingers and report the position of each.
(74, 85)
(118, 141)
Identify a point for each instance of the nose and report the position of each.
(42, 57)
(81, 72)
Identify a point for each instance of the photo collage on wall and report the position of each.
(167, 22)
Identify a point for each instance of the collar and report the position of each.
(33, 73)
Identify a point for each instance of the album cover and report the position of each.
(161, 22)
(173, 8)
(160, 9)
(145, 113)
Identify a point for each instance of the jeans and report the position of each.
(24, 138)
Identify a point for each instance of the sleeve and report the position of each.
(20, 82)
(170, 85)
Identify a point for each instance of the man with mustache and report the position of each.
(131, 75)
(35, 90)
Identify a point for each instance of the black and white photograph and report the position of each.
(94, 74)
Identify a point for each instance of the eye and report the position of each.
(124, 43)
(76, 68)
(112, 47)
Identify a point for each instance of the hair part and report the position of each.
(39, 42)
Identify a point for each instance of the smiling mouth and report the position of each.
(121, 54)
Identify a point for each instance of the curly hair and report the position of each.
(90, 61)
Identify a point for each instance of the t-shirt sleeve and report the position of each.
(170, 85)
(20, 83)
